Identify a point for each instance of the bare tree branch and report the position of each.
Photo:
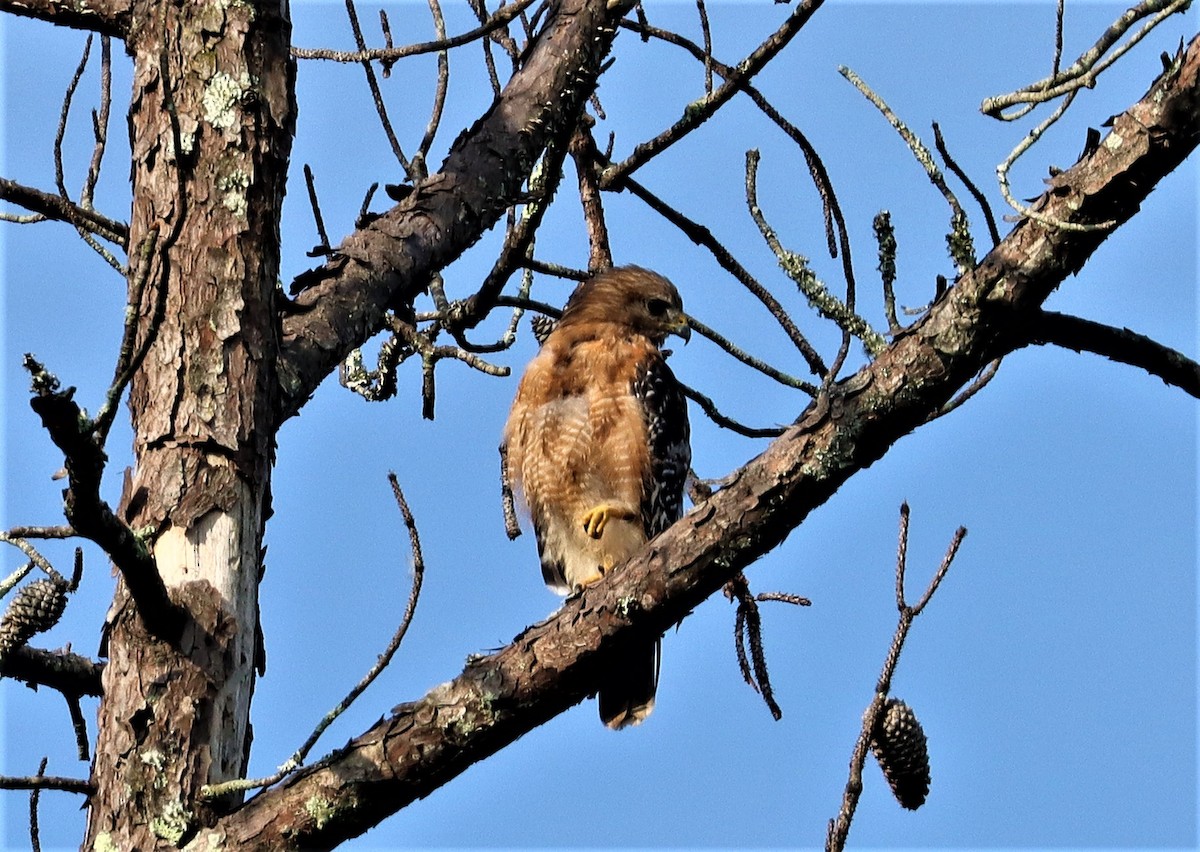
(109, 17)
(68, 673)
(89, 514)
(62, 210)
(1117, 344)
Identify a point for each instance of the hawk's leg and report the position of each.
(596, 519)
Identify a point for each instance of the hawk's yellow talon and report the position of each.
(597, 519)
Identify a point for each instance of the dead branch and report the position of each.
(63, 671)
(796, 267)
(389, 261)
(1117, 344)
(99, 125)
(976, 193)
(79, 726)
(958, 240)
(58, 208)
(109, 17)
(376, 94)
(747, 630)
(439, 94)
(503, 16)
(724, 421)
(702, 236)
(839, 828)
(46, 782)
(1083, 72)
(584, 153)
(297, 759)
(35, 839)
(72, 432)
(697, 112)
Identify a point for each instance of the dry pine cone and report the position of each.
(35, 609)
(899, 745)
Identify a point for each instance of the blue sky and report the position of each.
(1055, 671)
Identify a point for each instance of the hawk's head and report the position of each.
(644, 301)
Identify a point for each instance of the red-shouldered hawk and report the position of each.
(597, 442)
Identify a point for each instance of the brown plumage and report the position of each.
(597, 443)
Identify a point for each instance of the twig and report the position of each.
(749, 360)
(885, 237)
(706, 34)
(697, 112)
(34, 557)
(10, 582)
(99, 124)
(46, 782)
(702, 236)
(584, 153)
(1117, 344)
(980, 382)
(962, 248)
(42, 532)
(839, 828)
(64, 114)
(502, 17)
(35, 839)
(796, 267)
(710, 410)
(79, 725)
(376, 94)
(976, 193)
(512, 527)
(129, 360)
(323, 247)
(439, 94)
(60, 134)
(1083, 72)
(297, 759)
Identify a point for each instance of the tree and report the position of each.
(217, 360)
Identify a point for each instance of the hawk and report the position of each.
(597, 443)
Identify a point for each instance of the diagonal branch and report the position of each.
(554, 664)
(389, 260)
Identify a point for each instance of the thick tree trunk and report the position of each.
(211, 119)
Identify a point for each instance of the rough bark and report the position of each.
(108, 17)
(211, 119)
(552, 665)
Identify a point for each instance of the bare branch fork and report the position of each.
(839, 828)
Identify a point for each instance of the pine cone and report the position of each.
(35, 609)
(899, 745)
(542, 326)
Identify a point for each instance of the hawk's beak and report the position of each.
(680, 327)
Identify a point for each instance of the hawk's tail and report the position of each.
(627, 688)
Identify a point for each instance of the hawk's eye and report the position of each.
(657, 307)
